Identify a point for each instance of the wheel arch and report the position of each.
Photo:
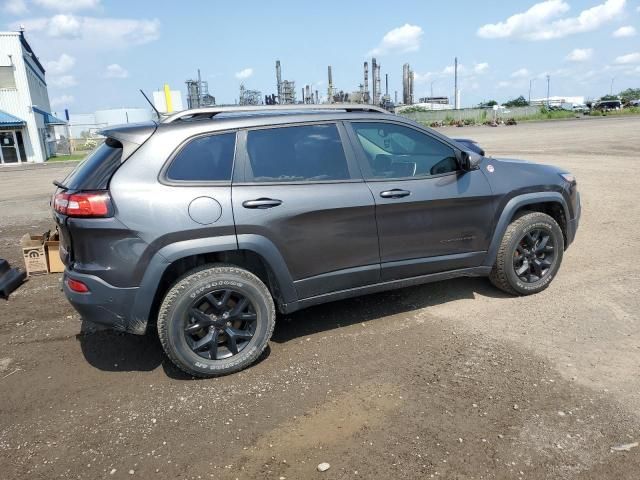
(551, 203)
(255, 254)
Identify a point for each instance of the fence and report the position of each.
(478, 115)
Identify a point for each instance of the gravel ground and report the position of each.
(446, 380)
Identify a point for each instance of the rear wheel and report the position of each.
(529, 255)
(216, 320)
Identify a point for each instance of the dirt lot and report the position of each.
(447, 380)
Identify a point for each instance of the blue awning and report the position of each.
(8, 120)
(48, 118)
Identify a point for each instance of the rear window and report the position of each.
(291, 154)
(96, 169)
(205, 159)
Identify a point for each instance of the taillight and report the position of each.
(86, 204)
(77, 286)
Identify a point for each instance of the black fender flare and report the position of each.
(508, 211)
(164, 257)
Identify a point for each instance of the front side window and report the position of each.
(395, 151)
(204, 159)
(297, 154)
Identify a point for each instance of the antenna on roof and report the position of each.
(152, 105)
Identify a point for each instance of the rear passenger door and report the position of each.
(299, 189)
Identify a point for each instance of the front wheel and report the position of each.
(216, 320)
(529, 255)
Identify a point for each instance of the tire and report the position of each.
(181, 328)
(516, 247)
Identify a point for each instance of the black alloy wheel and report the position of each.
(534, 255)
(219, 324)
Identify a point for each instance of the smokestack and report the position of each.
(317, 98)
(405, 84)
(411, 78)
(365, 98)
(455, 85)
(330, 88)
(307, 98)
(396, 97)
(374, 87)
(386, 84)
(304, 99)
(279, 81)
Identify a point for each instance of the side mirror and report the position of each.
(469, 160)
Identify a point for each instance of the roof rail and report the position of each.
(209, 112)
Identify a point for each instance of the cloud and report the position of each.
(626, 31)
(244, 74)
(450, 69)
(15, 7)
(65, 81)
(115, 71)
(95, 32)
(62, 100)
(62, 65)
(580, 54)
(68, 5)
(481, 67)
(399, 40)
(629, 58)
(521, 73)
(538, 22)
(504, 84)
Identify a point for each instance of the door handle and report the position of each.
(261, 203)
(395, 193)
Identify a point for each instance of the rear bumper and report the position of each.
(103, 303)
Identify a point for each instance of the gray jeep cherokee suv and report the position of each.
(208, 221)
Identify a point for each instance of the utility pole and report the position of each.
(548, 88)
(611, 91)
(530, 85)
(432, 90)
(455, 84)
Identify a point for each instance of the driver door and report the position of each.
(431, 215)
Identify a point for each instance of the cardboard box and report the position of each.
(33, 252)
(52, 249)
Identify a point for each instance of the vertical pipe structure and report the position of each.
(396, 97)
(455, 85)
(548, 89)
(317, 98)
(411, 78)
(308, 98)
(374, 91)
(365, 97)
(279, 81)
(167, 98)
(405, 84)
(386, 84)
(330, 87)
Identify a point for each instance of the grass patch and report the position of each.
(67, 158)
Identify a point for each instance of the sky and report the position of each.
(99, 53)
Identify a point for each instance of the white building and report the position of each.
(26, 123)
(558, 101)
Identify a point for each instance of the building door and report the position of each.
(9, 151)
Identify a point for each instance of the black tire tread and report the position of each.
(182, 284)
(498, 275)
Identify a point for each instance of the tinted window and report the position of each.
(96, 169)
(204, 159)
(290, 154)
(394, 151)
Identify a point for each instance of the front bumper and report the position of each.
(103, 303)
(574, 223)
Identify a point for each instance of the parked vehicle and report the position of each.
(607, 105)
(211, 220)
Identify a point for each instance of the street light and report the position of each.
(530, 85)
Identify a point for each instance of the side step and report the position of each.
(10, 278)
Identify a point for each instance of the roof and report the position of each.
(48, 118)
(8, 120)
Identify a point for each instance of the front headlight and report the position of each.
(570, 178)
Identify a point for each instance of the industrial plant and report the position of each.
(286, 93)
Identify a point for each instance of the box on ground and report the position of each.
(34, 254)
(52, 249)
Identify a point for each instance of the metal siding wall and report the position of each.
(18, 102)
